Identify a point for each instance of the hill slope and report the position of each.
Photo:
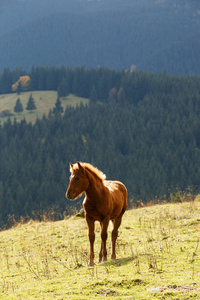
(110, 33)
(44, 101)
(148, 139)
(157, 256)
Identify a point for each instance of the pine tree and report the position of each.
(18, 106)
(31, 103)
(93, 94)
(63, 89)
(121, 96)
(19, 88)
(58, 109)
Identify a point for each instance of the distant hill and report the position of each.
(153, 35)
(179, 58)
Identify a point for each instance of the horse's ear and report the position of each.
(79, 165)
(71, 166)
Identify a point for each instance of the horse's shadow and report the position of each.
(118, 262)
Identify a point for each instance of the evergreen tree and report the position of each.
(93, 94)
(18, 106)
(63, 88)
(19, 88)
(6, 79)
(121, 96)
(31, 103)
(112, 95)
(58, 109)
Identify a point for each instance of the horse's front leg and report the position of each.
(104, 235)
(91, 235)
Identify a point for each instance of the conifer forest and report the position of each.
(140, 128)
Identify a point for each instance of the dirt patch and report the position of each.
(175, 288)
(107, 292)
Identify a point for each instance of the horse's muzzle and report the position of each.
(68, 195)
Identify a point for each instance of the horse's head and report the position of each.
(78, 181)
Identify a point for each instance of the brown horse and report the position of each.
(104, 201)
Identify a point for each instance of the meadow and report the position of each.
(158, 257)
(44, 101)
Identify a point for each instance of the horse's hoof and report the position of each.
(91, 265)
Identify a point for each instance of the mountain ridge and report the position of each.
(92, 34)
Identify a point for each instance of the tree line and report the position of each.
(97, 83)
(142, 130)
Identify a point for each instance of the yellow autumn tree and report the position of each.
(22, 84)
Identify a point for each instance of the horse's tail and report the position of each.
(125, 200)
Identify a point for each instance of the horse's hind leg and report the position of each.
(116, 224)
(101, 249)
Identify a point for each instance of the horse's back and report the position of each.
(118, 194)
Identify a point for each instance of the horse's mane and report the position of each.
(91, 169)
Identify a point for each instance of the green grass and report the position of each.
(158, 257)
(44, 101)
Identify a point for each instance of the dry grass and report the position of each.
(158, 258)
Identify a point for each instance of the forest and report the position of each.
(139, 128)
(155, 36)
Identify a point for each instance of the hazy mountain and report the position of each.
(154, 35)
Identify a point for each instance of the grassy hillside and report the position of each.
(44, 101)
(158, 258)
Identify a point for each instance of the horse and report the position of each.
(104, 201)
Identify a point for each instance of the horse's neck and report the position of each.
(95, 187)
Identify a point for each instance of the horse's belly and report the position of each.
(112, 202)
(117, 210)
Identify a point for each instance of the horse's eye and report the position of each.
(77, 178)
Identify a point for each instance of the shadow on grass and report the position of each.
(118, 262)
